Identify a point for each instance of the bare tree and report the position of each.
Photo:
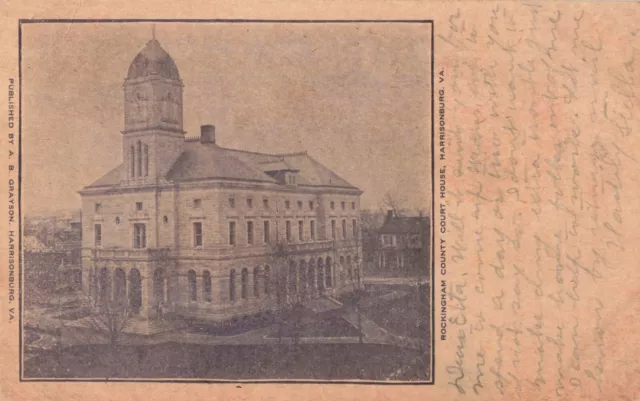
(278, 254)
(395, 202)
(107, 314)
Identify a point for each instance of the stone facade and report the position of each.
(181, 222)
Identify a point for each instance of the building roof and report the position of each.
(205, 161)
(404, 225)
(152, 60)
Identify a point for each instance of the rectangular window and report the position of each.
(266, 232)
(98, 207)
(342, 205)
(300, 230)
(232, 203)
(344, 229)
(197, 203)
(312, 230)
(249, 203)
(310, 205)
(333, 205)
(288, 230)
(265, 203)
(249, 232)
(232, 233)
(97, 230)
(333, 229)
(354, 227)
(287, 204)
(197, 235)
(138, 206)
(299, 205)
(139, 236)
(353, 206)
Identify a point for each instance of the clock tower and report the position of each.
(153, 136)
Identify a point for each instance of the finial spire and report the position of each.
(153, 31)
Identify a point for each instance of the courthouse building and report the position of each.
(207, 232)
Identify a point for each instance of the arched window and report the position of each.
(256, 281)
(193, 291)
(146, 160)
(232, 285)
(139, 159)
(132, 158)
(267, 279)
(206, 285)
(245, 282)
(349, 267)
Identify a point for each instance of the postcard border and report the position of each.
(229, 381)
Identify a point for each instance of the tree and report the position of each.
(395, 202)
(107, 314)
(278, 255)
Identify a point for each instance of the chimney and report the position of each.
(389, 216)
(207, 134)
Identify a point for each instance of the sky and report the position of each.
(356, 96)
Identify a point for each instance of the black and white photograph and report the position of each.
(227, 201)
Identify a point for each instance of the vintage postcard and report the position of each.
(368, 200)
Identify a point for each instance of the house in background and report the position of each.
(404, 243)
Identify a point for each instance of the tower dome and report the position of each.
(152, 60)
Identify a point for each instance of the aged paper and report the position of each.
(288, 200)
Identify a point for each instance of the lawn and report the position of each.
(318, 326)
(407, 316)
(233, 327)
(174, 360)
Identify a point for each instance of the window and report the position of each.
(310, 205)
(299, 205)
(333, 205)
(132, 156)
(206, 285)
(117, 220)
(344, 229)
(287, 204)
(333, 229)
(249, 232)
(354, 227)
(165, 220)
(146, 160)
(139, 159)
(245, 283)
(342, 205)
(291, 179)
(197, 203)
(265, 203)
(300, 230)
(312, 229)
(98, 207)
(197, 235)
(139, 236)
(232, 285)
(97, 231)
(138, 206)
(232, 233)
(256, 281)
(288, 230)
(249, 203)
(353, 206)
(232, 203)
(193, 289)
(266, 232)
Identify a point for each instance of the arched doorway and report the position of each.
(135, 291)
(311, 278)
(329, 274)
(302, 276)
(104, 285)
(320, 271)
(119, 287)
(292, 278)
(158, 285)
